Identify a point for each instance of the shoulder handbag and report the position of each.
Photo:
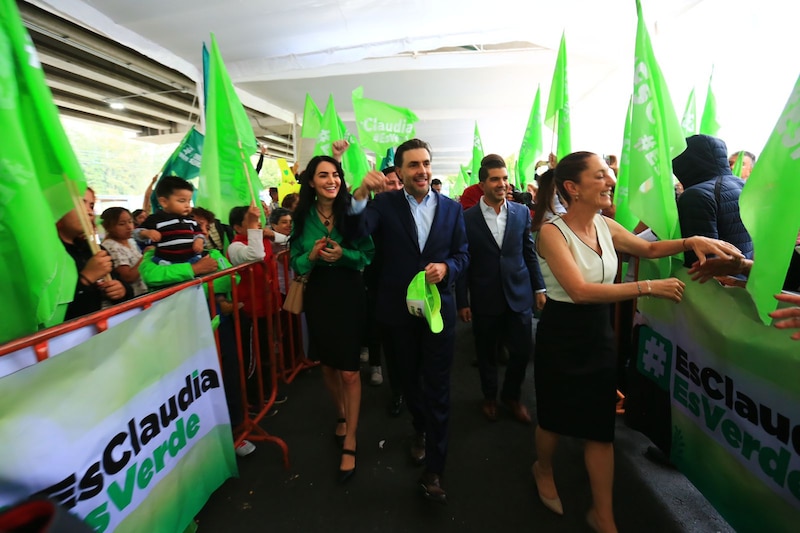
(294, 296)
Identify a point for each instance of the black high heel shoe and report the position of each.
(346, 475)
(339, 438)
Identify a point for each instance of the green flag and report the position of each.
(477, 155)
(40, 178)
(708, 122)
(689, 121)
(311, 119)
(656, 137)
(184, 162)
(768, 207)
(531, 148)
(329, 130)
(737, 166)
(354, 161)
(227, 176)
(461, 182)
(388, 159)
(381, 126)
(622, 191)
(557, 115)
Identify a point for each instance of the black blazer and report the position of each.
(388, 218)
(500, 275)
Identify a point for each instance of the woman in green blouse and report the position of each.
(334, 302)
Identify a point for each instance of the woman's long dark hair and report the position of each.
(568, 169)
(306, 204)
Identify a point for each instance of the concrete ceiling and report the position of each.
(450, 61)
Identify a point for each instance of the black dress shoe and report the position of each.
(432, 487)
(396, 406)
(346, 475)
(417, 451)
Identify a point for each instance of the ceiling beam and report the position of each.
(88, 107)
(75, 36)
(93, 92)
(68, 63)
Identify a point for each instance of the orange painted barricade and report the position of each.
(249, 428)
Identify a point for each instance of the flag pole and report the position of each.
(86, 225)
(553, 136)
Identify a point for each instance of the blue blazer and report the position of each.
(388, 218)
(500, 275)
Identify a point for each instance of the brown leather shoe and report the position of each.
(518, 411)
(489, 410)
(432, 487)
(417, 451)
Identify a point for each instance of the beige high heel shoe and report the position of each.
(554, 504)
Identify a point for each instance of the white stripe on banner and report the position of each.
(109, 421)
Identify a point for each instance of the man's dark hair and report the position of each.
(436, 181)
(490, 161)
(169, 184)
(389, 169)
(237, 215)
(411, 144)
(277, 214)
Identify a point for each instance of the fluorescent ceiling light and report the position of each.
(116, 105)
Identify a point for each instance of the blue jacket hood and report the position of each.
(705, 158)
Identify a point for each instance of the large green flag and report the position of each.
(622, 191)
(531, 148)
(227, 176)
(381, 126)
(557, 115)
(477, 155)
(689, 121)
(184, 162)
(708, 121)
(41, 182)
(329, 130)
(768, 207)
(656, 137)
(311, 119)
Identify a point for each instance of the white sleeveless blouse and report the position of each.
(594, 267)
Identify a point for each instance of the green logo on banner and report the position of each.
(655, 357)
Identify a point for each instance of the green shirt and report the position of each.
(357, 255)
(158, 276)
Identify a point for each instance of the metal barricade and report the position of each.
(252, 415)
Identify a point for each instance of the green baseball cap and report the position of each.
(423, 300)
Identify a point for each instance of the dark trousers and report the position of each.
(425, 362)
(513, 330)
(376, 343)
(230, 370)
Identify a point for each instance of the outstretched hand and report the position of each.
(715, 267)
(704, 247)
(374, 181)
(790, 316)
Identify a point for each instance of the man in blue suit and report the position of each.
(420, 230)
(502, 278)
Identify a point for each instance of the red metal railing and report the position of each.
(286, 357)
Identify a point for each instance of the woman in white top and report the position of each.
(575, 355)
(124, 252)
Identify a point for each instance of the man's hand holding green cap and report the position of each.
(423, 300)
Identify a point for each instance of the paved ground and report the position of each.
(488, 479)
